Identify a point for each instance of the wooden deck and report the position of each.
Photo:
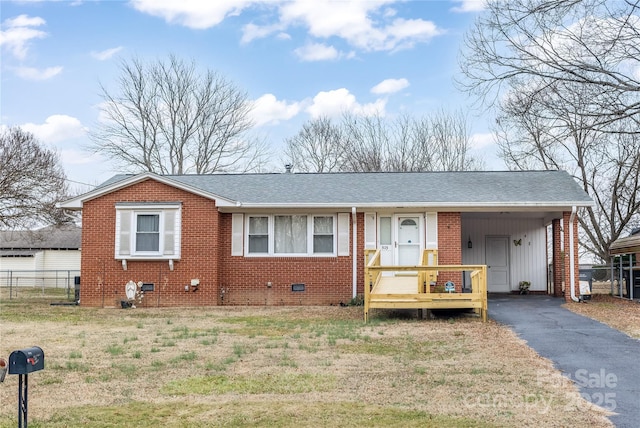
(412, 291)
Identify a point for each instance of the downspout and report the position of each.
(354, 226)
(572, 264)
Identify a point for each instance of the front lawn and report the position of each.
(280, 367)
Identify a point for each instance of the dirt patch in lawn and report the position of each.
(621, 314)
(280, 366)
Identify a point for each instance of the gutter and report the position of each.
(354, 226)
(572, 264)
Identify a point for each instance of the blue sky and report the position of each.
(296, 60)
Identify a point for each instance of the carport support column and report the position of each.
(558, 262)
(567, 259)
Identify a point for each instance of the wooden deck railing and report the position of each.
(409, 292)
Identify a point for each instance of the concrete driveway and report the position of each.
(603, 362)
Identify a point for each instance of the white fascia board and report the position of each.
(77, 202)
(457, 206)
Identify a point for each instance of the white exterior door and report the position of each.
(408, 241)
(497, 261)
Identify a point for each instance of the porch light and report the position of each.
(469, 244)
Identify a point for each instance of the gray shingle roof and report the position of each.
(66, 237)
(478, 188)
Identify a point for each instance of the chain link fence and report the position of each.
(38, 284)
(615, 280)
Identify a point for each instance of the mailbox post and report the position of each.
(22, 362)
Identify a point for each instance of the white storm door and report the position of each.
(408, 241)
(497, 261)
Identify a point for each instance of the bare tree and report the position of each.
(367, 143)
(552, 127)
(167, 118)
(32, 182)
(317, 147)
(592, 43)
(439, 142)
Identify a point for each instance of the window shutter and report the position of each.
(370, 231)
(123, 233)
(431, 242)
(237, 235)
(343, 234)
(169, 232)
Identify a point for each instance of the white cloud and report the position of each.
(268, 110)
(30, 73)
(18, 32)
(354, 22)
(336, 102)
(389, 86)
(196, 14)
(482, 140)
(106, 54)
(252, 31)
(464, 6)
(316, 52)
(369, 25)
(56, 128)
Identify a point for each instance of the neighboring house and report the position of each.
(299, 239)
(37, 253)
(626, 249)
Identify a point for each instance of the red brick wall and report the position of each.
(206, 255)
(567, 267)
(450, 247)
(328, 280)
(102, 276)
(558, 255)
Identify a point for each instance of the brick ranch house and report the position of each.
(299, 239)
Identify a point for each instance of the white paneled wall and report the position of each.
(527, 260)
(61, 260)
(44, 260)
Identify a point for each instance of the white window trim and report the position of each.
(161, 209)
(271, 236)
(334, 233)
(134, 233)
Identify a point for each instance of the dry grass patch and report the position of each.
(279, 366)
(621, 314)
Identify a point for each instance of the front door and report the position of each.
(497, 261)
(408, 242)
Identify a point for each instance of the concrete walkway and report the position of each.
(603, 362)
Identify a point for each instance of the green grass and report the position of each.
(251, 384)
(246, 413)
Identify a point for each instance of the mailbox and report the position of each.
(25, 361)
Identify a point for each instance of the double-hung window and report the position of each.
(323, 235)
(148, 230)
(259, 235)
(147, 233)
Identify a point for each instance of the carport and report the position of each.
(626, 248)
